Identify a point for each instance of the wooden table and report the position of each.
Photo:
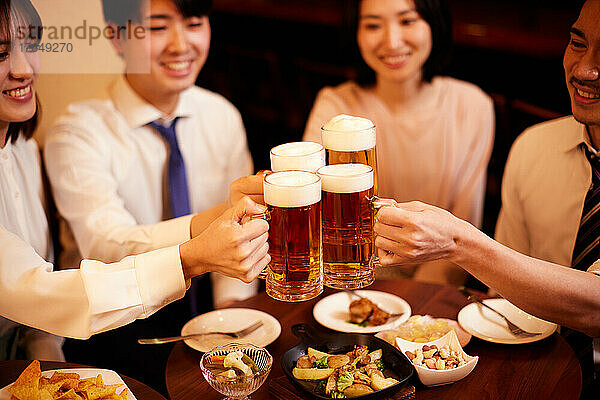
(547, 369)
(10, 370)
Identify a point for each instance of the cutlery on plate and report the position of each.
(513, 328)
(392, 315)
(237, 334)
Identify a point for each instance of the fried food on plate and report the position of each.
(31, 385)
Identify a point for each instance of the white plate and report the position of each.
(109, 377)
(229, 320)
(487, 325)
(332, 311)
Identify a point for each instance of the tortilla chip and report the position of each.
(26, 391)
(98, 392)
(46, 395)
(51, 388)
(61, 376)
(32, 372)
(69, 395)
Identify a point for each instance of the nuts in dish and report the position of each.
(352, 374)
(434, 358)
(431, 368)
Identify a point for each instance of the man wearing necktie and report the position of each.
(550, 212)
(130, 170)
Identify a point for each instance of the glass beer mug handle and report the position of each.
(377, 202)
(267, 217)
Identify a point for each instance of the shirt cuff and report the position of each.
(227, 289)
(172, 232)
(160, 278)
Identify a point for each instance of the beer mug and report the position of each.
(301, 156)
(348, 218)
(293, 200)
(350, 139)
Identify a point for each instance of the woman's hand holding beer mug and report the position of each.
(231, 245)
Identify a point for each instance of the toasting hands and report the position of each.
(228, 246)
(251, 186)
(415, 232)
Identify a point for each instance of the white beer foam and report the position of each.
(292, 189)
(346, 178)
(303, 156)
(347, 133)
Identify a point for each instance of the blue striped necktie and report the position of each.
(177, 180)
(587, 243)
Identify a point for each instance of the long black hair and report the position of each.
(435, 12)
(14, 16)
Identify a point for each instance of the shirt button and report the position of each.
(5, 156)
(17, 195)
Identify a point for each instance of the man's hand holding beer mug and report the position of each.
(241, 250)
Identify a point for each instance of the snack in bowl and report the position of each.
(236, 370)
(352, 374)
(439, 362)
(424, 329)
(31, 385)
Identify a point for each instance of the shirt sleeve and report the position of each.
(510, 228)
(470, 190)
(239, 164)
(97, 297)
(86, 194)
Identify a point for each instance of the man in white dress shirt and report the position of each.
(550, 211)
(109, 168)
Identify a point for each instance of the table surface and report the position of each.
(10, 370)
(547, 369)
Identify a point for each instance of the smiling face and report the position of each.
(393, 39)
(18, 71)
(582, 65)
(169, 57)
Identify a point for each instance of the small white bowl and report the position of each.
(434, 377)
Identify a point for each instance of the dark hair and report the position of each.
(21, 13)
(435, 12)
(119, 12)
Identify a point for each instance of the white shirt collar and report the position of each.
(138, 112)
(573, 138)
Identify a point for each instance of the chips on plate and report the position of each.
(31, 385)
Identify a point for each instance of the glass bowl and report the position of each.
(238, 387)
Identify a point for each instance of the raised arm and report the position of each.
(416, 232)
(98, 297)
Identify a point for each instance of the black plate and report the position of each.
(397, 366)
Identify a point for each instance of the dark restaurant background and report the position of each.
(270, 58)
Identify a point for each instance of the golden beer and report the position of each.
(348, 217)
(368, 157)
(293, 199)
(350, 140)
(301, 156)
